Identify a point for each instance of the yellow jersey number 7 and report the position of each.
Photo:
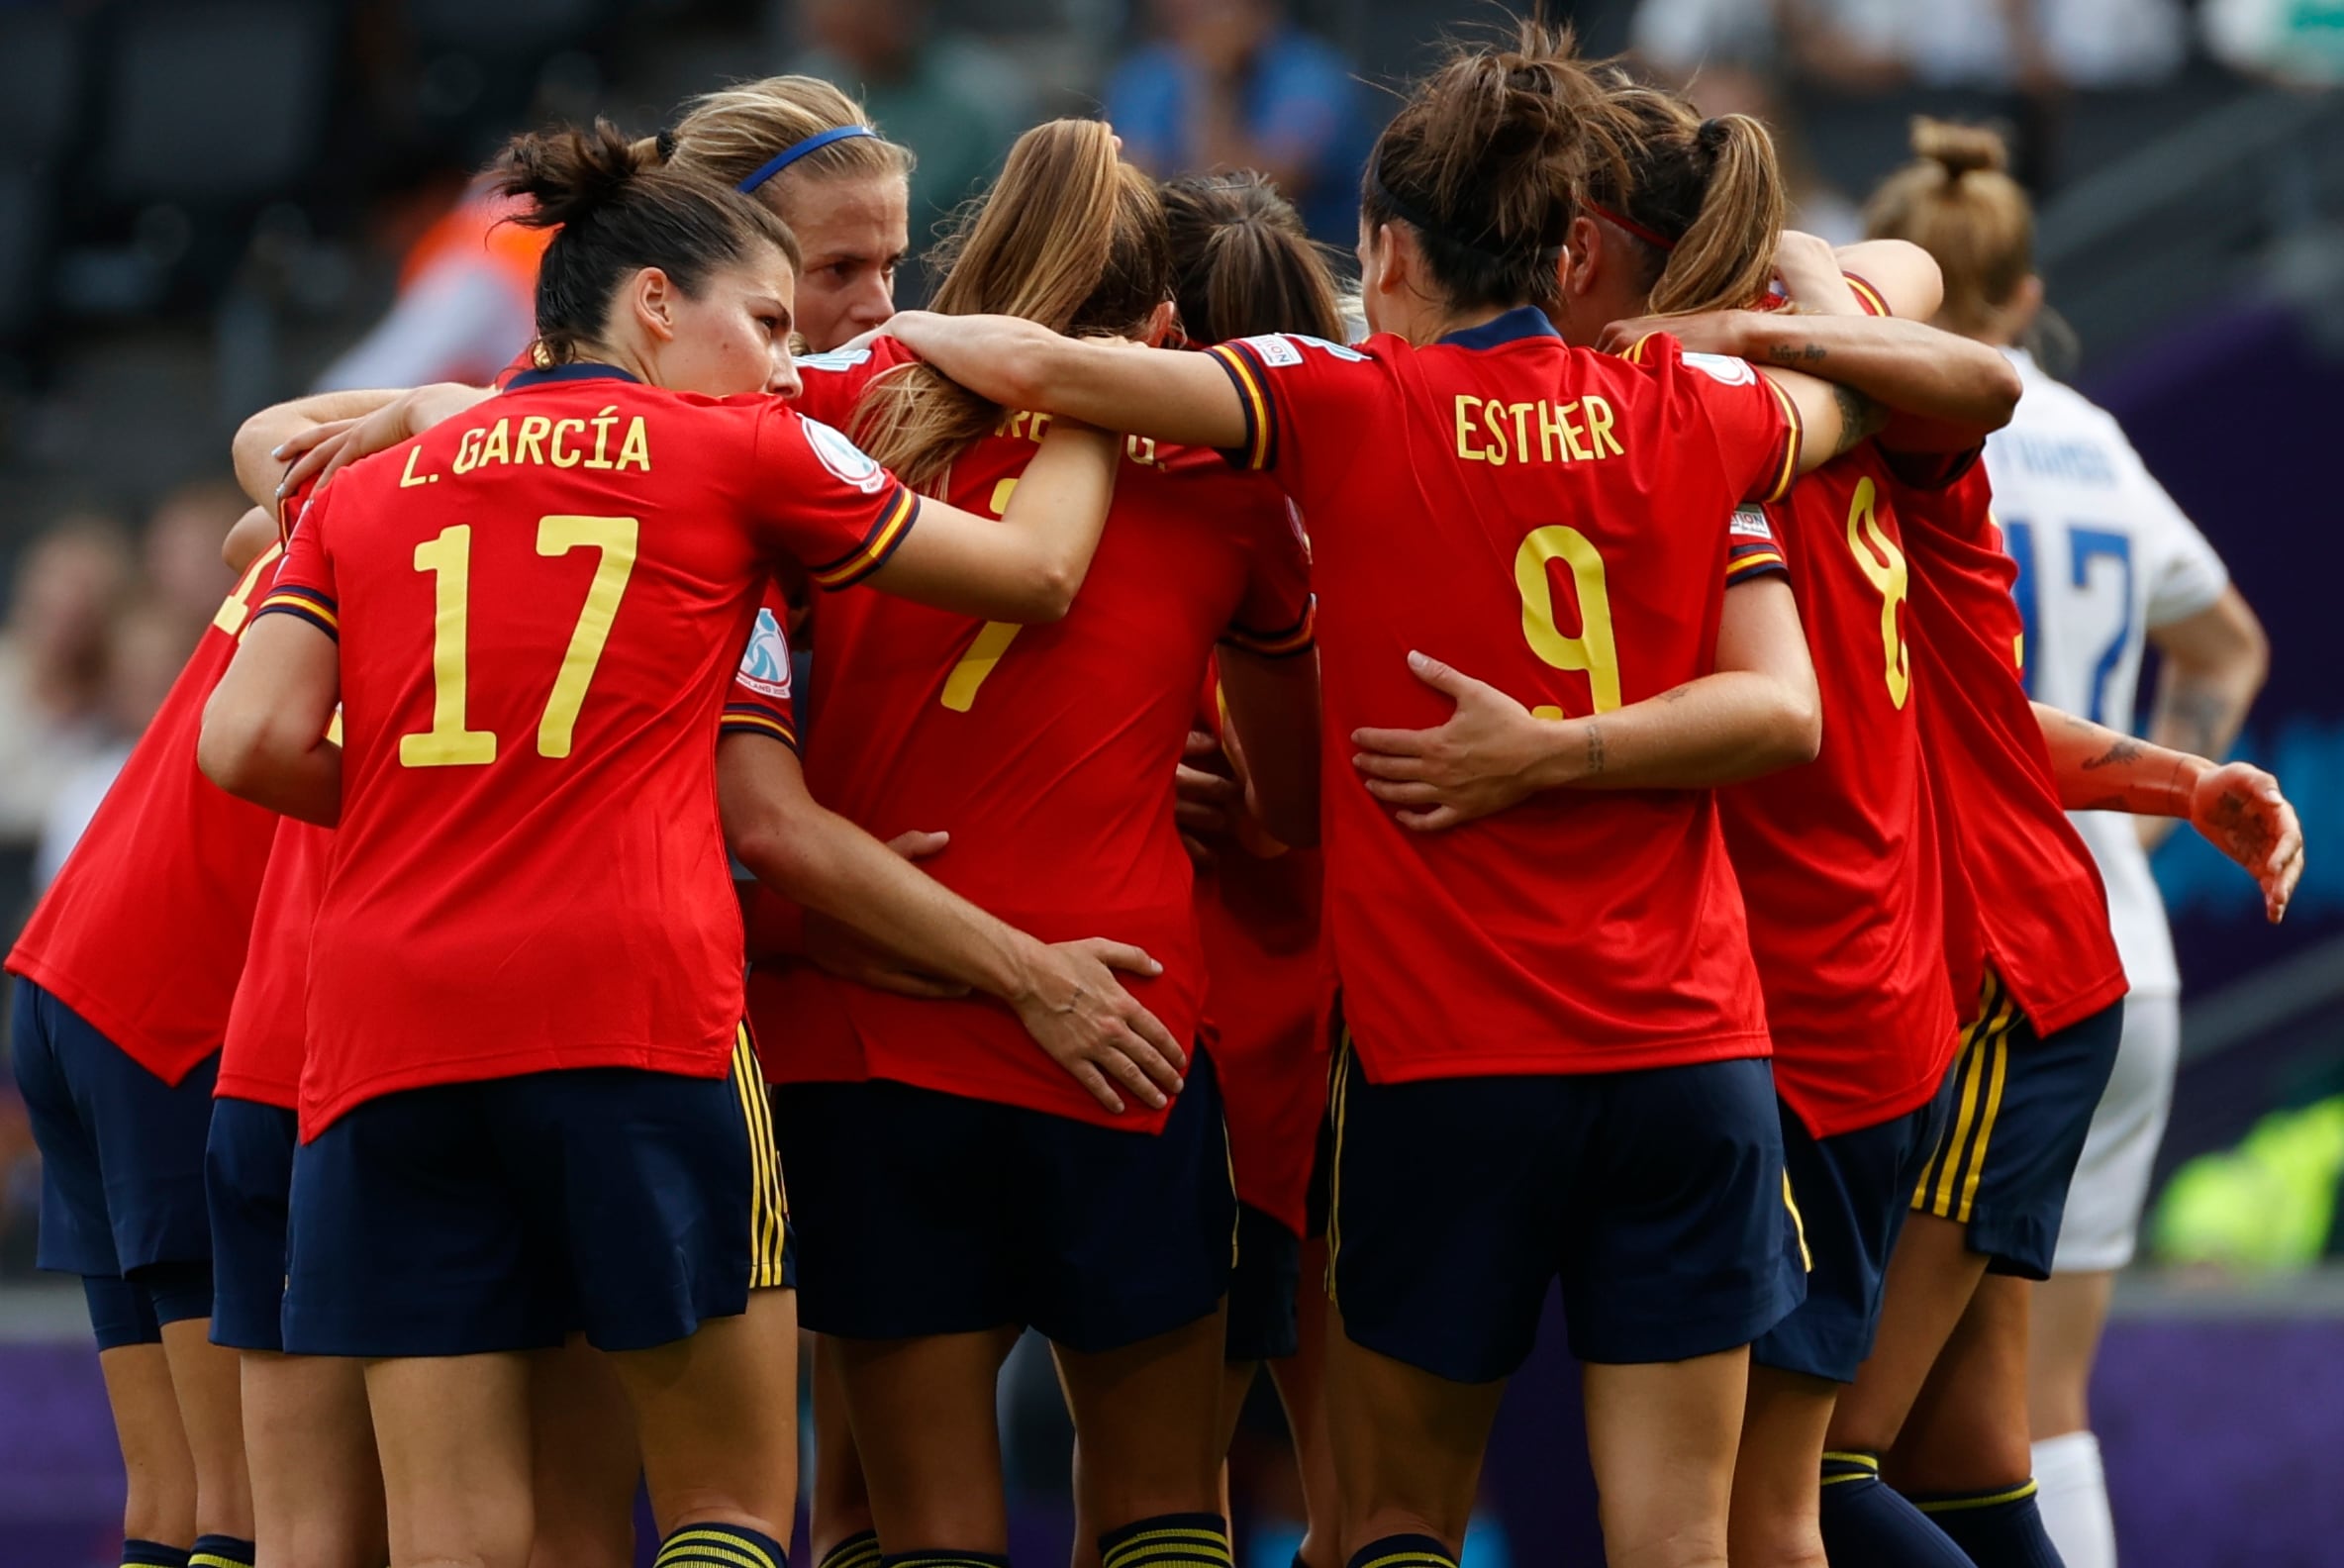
(447, 560)
(993, 638)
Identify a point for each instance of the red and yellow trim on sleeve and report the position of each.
(1261, 414)
(895, 521)
(1793, 439)
(307, 603)
(1867, 296)
(746, 718)
(1299, 638)
(1747, 562)
(1633, 353)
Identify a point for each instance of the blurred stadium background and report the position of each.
(206, 205)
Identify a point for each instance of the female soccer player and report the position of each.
(1553, 1058)
(526, 1068)
(1001, 1198)
(1244, 266)
(124, 979)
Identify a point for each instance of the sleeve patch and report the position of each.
(1749, 521)
(835, 359)
(766, 662)
(849, 463)
(1275, 350)
(1722, 369)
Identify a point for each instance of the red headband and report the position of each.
(1620, 220)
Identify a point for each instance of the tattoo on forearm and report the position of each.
(1859, 417)
(1595, 749)
(2123, 751)
(1798, 354)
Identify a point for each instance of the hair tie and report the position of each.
(664, 145)
(1480, 244)
(1713, 135)
(1651, 236)
(798, 149)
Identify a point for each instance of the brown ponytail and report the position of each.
(1071, 237)
(1243, 266)
(1700, 201)
(1485, 162)
(618, 211)
(1956, 202)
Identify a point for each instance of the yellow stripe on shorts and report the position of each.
(768, 1202)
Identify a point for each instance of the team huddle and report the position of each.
(1214, 837)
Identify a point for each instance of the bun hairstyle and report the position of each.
(1071, 237)
(730, 134)
(1485, 161)
(619, 211)
(1701, 200)
(1957, 202)
(1243, 264)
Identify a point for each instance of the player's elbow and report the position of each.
(1795, 728)
(237, 748)
(1998, 389)
(1046, 593)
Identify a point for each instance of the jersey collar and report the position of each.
(1523, 322)
(585, 370)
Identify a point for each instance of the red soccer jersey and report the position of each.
(1838, 860)
(1554, 521)
(142, 931)
(538, 606)
(261, 1059)
(2023, 892)
(1257, 908)
(1047, 752)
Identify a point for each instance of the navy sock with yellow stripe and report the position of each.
(859, 1550)
(220, 1552)
(1868, 1524)
(152, 1554)
(1403, 1551)
(1168, 1541)
(2001, 1528)
(945, 1558)
(719, 1546)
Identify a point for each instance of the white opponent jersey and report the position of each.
(2105, 557)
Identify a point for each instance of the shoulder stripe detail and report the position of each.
(314, 608)
(757, 721)
(1792, 442)
(1868, 296)
(1299, 638)
(1758, 563)
(1634, 353)
(895, 521)
(1261, 415)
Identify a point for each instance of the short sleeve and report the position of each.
(832, 507)
(1292, 385)
(304, 585)
(761, 702)
(2185, 576)
(1755, 422)
(1754, 547)
(1277, 617)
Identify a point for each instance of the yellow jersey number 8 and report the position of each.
(1882, 565)
(1592, 651)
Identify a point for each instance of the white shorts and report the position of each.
(2112, 1185)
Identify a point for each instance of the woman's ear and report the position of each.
(1162, 326)
(651, 303)
(1583, 258)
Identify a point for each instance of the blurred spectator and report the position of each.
(466, 305)
(954, 103)
(53, 666)
(145, 650)
(1867, 45)
(180, 556)
(1232, 84)
(2294, 40)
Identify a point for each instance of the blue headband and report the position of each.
(790, 154)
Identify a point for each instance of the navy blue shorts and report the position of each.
(503, 1215)
(248, 1187)
(122, 1152)
(1264, 1301)
(2021, 1106)
(1656, 1196)
(1853, 1191)
(924, 1212)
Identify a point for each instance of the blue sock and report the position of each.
(1167, 1540)
(1999, 1529)
(1867, 1525)
(152, 1554)
(945, 1557)
(220, 1552)
(1404, 1551)
(719, 1546)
